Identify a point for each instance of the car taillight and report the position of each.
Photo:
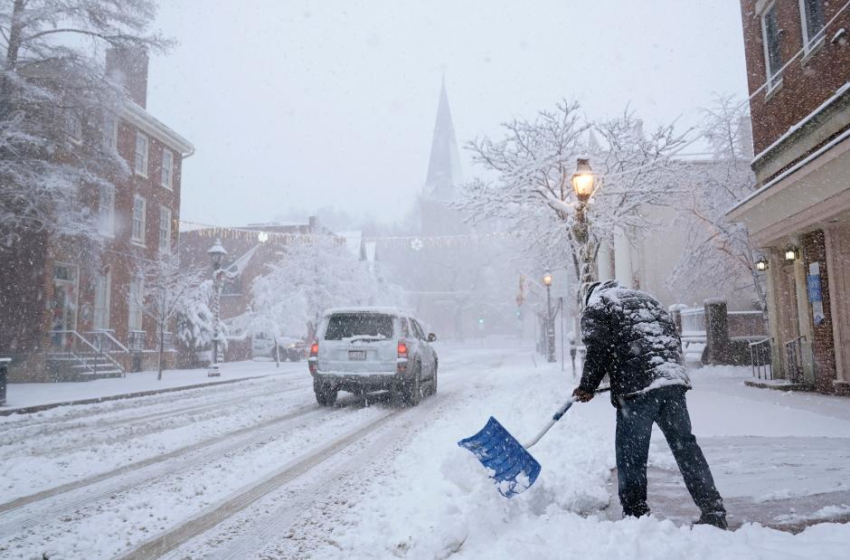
(402, 357)
(313, 361)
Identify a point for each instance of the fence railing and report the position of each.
(168, 341)
(104, 341)
(693, 323)
(761, 359)
(794, 359)
(136, 341)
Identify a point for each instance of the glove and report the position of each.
(581, 395)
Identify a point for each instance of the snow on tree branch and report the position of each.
(54, 101)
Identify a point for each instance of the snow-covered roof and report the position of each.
(149, 124)
(366, 309)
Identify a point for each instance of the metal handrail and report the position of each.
(761, 358)
(794, 358)
(112, 339)
(93, 349)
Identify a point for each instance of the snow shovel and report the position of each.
(514, 468)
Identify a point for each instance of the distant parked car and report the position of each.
(292, 349)
(367, 349)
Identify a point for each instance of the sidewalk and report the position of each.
(22, 397)
(779, 459)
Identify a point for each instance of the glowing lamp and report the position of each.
(583, 179)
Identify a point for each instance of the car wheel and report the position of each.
(411, 391)
(325, 395)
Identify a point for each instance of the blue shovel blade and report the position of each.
(515, 470)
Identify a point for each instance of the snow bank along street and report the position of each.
(258, 470)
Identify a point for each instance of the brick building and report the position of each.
(798, 65)
(66, 301)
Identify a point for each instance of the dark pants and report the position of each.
(666, 407)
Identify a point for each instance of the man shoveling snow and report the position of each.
(630, 337)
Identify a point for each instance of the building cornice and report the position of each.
(152, 126)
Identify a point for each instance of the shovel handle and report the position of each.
(558, 415)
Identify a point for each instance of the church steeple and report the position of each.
(444, 171)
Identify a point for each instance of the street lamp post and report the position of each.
(583, 185)
(216, 253)
(550, 321)
(583, 181)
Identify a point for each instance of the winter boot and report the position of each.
(715, 519)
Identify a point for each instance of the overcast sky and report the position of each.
(294, 104)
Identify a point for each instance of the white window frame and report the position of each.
(774, 79)
(167, 181)
(101, 317)
(811, 43)
(73, 126)
(106, 214)
(138, 239)
(135, 319)
(141, 161)
(164, 232)
(110, 133)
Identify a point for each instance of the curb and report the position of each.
(780, 387)
(96, 400)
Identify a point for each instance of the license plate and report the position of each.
(357, 355)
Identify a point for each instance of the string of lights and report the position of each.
(415, 242)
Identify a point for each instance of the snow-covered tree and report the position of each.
(195, 320)
(719, 253)
(166, 291)
(54, 99)
(528, 185)
(312, 277)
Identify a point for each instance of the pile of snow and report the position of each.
(437, 501)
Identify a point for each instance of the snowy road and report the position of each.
(102, 480)
(258, 470)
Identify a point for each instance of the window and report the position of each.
(417, 330)
(811, 14)
(106, 211)
(142, 145)
(369, 325)
(772, 47)
(135, 304)
(110, 133)
(405, 330)
(164, 229)
(73, 126)
(139, 220)
(167, 168)
(102, 290)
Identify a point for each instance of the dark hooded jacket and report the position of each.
(629, 336)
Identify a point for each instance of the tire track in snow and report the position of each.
(198, 525)
(14, 431)
(270, 527)
(76, 494)
(259, 532)
(154, 417)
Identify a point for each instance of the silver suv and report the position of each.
(366, 349)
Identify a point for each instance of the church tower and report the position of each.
(444, 175)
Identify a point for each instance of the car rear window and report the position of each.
(348, 325)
